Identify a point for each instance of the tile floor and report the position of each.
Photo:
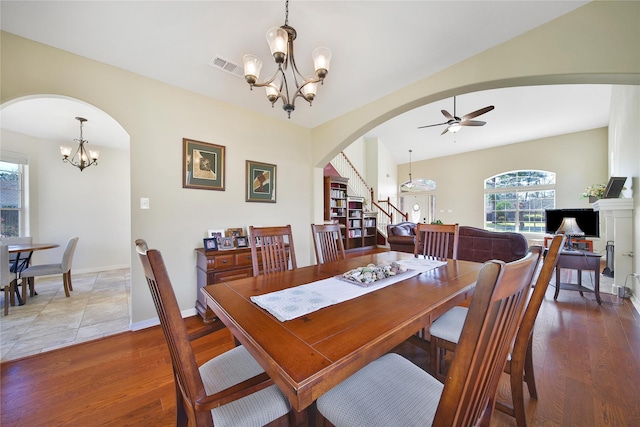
(98, 306)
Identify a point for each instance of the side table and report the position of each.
(579, 260)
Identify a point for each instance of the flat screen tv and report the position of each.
(588, 220)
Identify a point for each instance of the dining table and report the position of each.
(310, 353)
(23, 252)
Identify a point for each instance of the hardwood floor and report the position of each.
(587, 360)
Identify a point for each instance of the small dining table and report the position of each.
(24, 252)
(310, 354)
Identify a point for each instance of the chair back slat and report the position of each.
(488, 332)
(183, 359)
(327, 239)
(276, 249)
(434, 240)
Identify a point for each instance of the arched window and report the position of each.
(516, 200)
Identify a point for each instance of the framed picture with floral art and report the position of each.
(261, 182)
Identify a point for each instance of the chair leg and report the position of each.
(31, 281)
(69, 279)
(65, 281)
(24, 289)
(435, 359)
(7, 291)
(529, 377)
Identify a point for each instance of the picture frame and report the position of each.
(242, 242)
(203, 165)
(226, 243)
(260, 182)
(234, 232)
(217, 233)
(614, 187)
(210, 244)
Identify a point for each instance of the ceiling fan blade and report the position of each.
(428, 126)
(472, 123)
(445, 131)
(446, 114)
(478, 112)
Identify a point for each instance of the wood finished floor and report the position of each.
(587, 360)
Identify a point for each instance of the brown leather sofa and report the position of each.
(474, 244)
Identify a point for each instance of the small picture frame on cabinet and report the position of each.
(241, 242)
(226, 243)
(210, 244)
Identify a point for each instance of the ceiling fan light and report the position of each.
(454, 127)
(277, 39)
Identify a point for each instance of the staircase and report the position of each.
(386, 212)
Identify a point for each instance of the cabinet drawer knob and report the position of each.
(224, 261)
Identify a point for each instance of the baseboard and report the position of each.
(143, 324)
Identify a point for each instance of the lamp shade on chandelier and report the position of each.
(82, 158)
(287, 83)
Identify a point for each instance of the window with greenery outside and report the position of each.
(516, 200)
(10, 199)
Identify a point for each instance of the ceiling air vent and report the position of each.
(227, 66)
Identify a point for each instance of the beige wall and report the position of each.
(460, 178)
(157, 117)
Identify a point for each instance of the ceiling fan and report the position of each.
(455, 123)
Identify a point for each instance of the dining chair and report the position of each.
(392, 391)
(446, 330)
(327, 239)
(63, 267)
(7, 281)
(229, 390)
(433, 241)
(274, 252)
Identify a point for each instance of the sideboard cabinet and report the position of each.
(217, 266)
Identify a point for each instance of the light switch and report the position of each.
(144, 203)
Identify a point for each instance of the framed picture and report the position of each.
(226, 243)
(261, 182)
(202, 165)
(241, 242)
(215, 233)
(234, 232)
(210, 244)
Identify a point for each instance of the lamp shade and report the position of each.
(569, 227)
(277, 39)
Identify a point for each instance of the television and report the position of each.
(588, 220)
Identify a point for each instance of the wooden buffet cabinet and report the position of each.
(217, 266)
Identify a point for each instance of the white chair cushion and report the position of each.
(390, 391)
(257, 409)
(42, 270)
(449, 325)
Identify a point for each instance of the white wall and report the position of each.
(64, 202)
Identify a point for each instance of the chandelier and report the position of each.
(81, 159)
(280, 40)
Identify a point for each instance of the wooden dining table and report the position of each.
(24, 252)
(309, 355)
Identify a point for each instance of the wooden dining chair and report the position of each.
(229, 390)
(63, 267)
(393, 391)
(446, 330)
(435, 240)
(327, 239)
(274, 252)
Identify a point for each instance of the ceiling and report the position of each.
(378, 48)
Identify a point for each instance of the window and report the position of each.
(516, 201)
(12, 212)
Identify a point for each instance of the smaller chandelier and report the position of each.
(280, 40)
(82, 158)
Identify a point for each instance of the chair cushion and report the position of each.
(390, 391)
(42, 270)
(257, 409)
(449, 325)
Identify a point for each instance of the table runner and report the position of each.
(292, 303)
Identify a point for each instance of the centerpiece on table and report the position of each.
(372, 273)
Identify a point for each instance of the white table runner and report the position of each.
(292, 303)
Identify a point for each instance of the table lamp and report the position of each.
(569, 228)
